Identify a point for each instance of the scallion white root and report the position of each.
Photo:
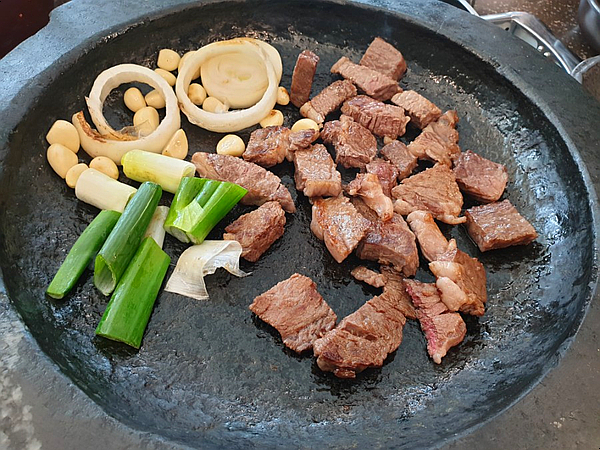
(98, 189)
(163, 170)
(156, 229)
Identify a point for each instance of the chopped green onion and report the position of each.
(125, 238)
(198, 206)
(129, 309)
(164, 170)
(156, 229)
(82, 252)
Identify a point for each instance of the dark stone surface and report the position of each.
(536, 141)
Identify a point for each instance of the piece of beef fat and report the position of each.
(431, 240)
(498, 225)
(438, 141)
(442, 329)
(363, 339)
(316, 174)
(434, 190)
(257, 230)
(262, 185)
(368, 187)
(420, 110)
(372, 278)
(302, 77)
(482, 179)
(300, 140)
(384, 58)
(398, 154)
(379, 118)
(338, 224)
(373, 83)
(328, 100)
(268, 146)
(461, 281)
(295, 308)
(354, 145)
(386, 173)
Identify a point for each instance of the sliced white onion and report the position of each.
(232, 120)
(201, 260)
(114, 144)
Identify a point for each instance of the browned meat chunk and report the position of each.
(367, 187)
(363, 339)
(482, 179)
(262, 185)
(338, 224)
(398, 154)
(420, 110)
(328, 100)
(395, 288)
(268, 146)
(438, 141)
(373, 83)
(442, 329)
(354, 145)
(461, 281)
(257, 230)
(389, 242)
(431, 240)
(300, 140)
(316, 174)
(386, 173)
(498, 225)
(384, 58)
(434, 190)
(295, 309)
(302, 78)
(372, 278)
(379, 118)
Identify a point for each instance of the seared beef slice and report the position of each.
(268, 146)
(257, 230)
(328, 100)
(384, 58)
(442, 329)
(431, 240)
(379, 118)
(398, 154)
(438, 141)
(434, 190)
(295, 309)
(354, 145)
(373, 83)
(481, 178)
(302, 78)
(315, 173)
(363, 339)
(338, 224)
(498, 225)
(386, 173)
(420, 110)
(368, 187)
(262, 185)
(372, 278)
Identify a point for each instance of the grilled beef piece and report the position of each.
(302, 78)
(354, 145)
(267, 146)
(442, 329)
(434, 190)
(394, 287)
(300, 140)
(461, 281)
(316, 174)
(295, 308)
(372, 278)
(367, 187)
(438, 141)
(336, 222)
(373, 83)
(389, 242)
(498, 225)
(386, 173)
(328, 100)
(482, 179)
(398, 154)
(262, 185)
(379, 118)
(431, 240)
(384, 58)
(363, 339)
(420, 110)
(257, 230)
